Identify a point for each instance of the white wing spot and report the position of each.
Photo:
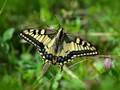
(83, 42)
(77, 40)
(26, 32)
(42, 31)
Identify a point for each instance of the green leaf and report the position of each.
(8, 34)
(26, 56)
(56, 81)
(99, 66)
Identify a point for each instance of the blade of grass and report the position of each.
(2, 8)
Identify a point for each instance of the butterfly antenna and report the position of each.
(58, 22)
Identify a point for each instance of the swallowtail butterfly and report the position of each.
(58, 47)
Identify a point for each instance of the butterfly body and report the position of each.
(58, 47)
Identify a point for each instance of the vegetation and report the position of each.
(97, 21)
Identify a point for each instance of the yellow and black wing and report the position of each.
(73, 47)
(40, 38)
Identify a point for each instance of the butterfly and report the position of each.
(58, 47)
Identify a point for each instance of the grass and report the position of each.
(97, 21)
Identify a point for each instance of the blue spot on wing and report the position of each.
(60, 59)
(48, 56)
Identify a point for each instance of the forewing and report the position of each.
(40, 38)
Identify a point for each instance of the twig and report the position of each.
(2, 8)
(102, 34)
(77, 63)
(69, 72)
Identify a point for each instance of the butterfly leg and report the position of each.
(61, 66)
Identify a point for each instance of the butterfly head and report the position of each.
(60, 33)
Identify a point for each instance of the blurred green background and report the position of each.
(98, 21)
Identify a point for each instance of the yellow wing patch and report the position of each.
(39, 35)
(81, 46)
